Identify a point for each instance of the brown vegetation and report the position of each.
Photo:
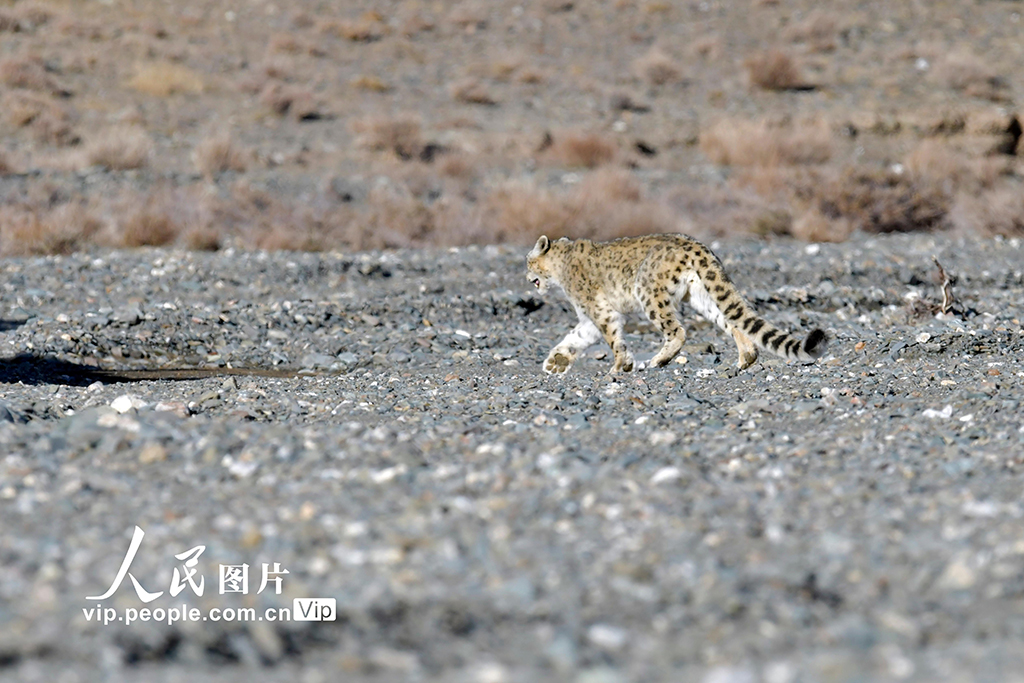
(737, 142)
(118, 149)
(819, 31)
(472, 91)
(578, 150)
(48, 120)
(29, 73)
(45, 230)
(401, 135)
(219, 153)
(775, 70)
(163, 79)
(968, 73)
(905, 137)
(658, 68)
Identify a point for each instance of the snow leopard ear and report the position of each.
(542, 246)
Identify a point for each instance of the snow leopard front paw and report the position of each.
(558, 362)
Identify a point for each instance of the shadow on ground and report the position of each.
(28, 368)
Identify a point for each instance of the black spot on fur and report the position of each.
(767, 337)
(710, 277)
(792, 346)
(757, 325)
(777, 342)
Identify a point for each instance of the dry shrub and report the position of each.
(998, 211)
(877, 200)
(470, 16)
(604, 205)
(365, 29)
(28, 73)
(48, 120)
(531, 76)
(9, 22)
(291, 100)
(285, 43)
(775, 70)
(370, 84)
(43, 230)
(163, 79)
(936, 162)
(708, 47)
(203, 238)
(82, 29)
(118, 149)
(658, 68)
(151, 223)
(219, 153)
(609, 184)
(401, 135)
(504, 67)
(471, 91)
(968, 73)
(32, 14)
(716, 210)
(518, 212)
(818, 30)
(579, 150)
(814, 226)
(458, 165)
(737, 142)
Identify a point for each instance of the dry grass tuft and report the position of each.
(33, 14)
(470, 16)
(814, 226)
(294, 101)
(969, 74)
(365, 29)
(998, 211)
(163, 79)
(149, 224)
(118, 149)
(29, 73)
(370, 84)
(736, 142)
(401, 135)
(44, 230)
(879, 201)
(818, 31)
(219, 153)
(580, 150)
(518, 211)
(658, 68)
(458, 166)
(775, 70)
(48, 120)
(472, 91)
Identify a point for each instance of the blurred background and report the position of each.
(361, 125)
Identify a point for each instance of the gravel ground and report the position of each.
(379, 425)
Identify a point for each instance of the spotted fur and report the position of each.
(653, 275)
